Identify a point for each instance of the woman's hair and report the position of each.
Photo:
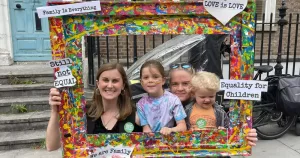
(190, 70)
(205, 80)
(153, 64)
(124, 99)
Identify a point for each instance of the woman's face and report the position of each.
(110, 84)
(180, 84)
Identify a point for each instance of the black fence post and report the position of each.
(135, 47)
(281, 22)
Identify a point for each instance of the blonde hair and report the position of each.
(205, 80)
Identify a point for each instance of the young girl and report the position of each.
(159, 110)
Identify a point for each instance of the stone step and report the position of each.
(21, 139)
(31, 153)
(24, 121)
(26, 73)
(25, 89)
(31, 103)
(26, 79)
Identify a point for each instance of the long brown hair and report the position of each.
(124, 99)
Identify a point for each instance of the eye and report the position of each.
(185, 84)
(105, 79)
(115, 80)
(174, 84)
(155, 76)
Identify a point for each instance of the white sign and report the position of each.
(67, 9)
(249, 85)
(112, 152)
(224, 10)
(242, 95)
(60, 63)
(64, 78)
(243, 89)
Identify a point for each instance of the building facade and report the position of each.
(25, 37)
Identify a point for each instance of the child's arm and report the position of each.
(181, 126)
(142, 118)
(147, 129)
(179, 115)
(137, 119)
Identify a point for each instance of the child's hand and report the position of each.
(220, 127)
(139, 156)
(166, 131)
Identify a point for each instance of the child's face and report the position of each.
(152, 81)
(205, 98)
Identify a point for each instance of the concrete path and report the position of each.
(287, 146)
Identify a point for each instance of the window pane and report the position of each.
(38, 23)
(260, 8)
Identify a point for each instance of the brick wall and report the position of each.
(122, 46)
(293, 9)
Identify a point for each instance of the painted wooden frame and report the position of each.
(144, 18)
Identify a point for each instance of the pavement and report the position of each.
(287, 146)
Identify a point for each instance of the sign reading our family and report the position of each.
(112, 152)
(224, 10)
(243, 89)
(75, 8)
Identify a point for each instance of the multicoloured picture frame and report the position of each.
(144, 18)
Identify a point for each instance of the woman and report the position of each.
(110, 111)
(180, 78)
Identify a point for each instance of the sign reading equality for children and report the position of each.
(243, 89)
(67, 9)
(224, 10)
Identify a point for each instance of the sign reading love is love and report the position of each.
(224, 10)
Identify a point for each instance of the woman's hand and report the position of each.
(54, 99)
(252, 137)
(53, 135)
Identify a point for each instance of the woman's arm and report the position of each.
(53, 134)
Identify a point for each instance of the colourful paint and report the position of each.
(144, 18)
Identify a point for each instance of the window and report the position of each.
(267, 7)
